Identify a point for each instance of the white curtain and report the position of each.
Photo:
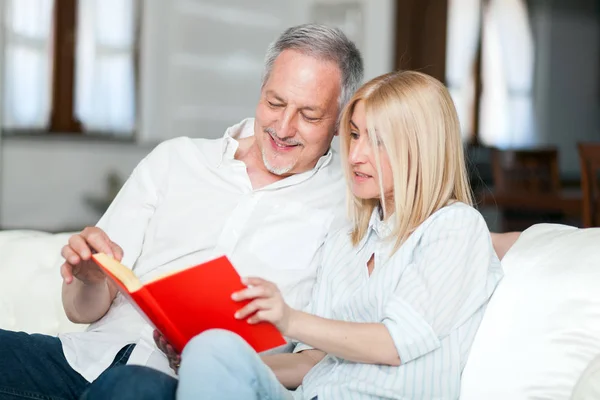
(507, 116)
(105, 77)
(27, 64)
(462, 41)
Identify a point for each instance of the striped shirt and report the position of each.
(430, 294)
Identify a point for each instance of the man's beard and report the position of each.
(282, 170)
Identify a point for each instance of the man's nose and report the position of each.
(287, 128)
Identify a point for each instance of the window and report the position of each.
(69, 66)
(490, 61)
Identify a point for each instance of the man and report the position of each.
(266, 194)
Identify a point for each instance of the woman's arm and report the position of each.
(360, 342)
(368, 343)
(290, 368)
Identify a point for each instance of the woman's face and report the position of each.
(364, 181)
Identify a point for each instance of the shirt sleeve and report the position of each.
(444, 285)
(126, 219)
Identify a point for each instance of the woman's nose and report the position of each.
(358, 152)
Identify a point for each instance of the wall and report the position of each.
(44, 182)
(567, 75)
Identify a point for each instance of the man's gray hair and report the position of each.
(322, 42)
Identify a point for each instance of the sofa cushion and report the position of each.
(542, 325)
(30, 288)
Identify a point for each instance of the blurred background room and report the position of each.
(89, 87)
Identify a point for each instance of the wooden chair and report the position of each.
(589, 157)
(522, 177)
(526, 171)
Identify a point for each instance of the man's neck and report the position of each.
(249, 153)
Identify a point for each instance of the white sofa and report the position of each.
(540, 332)
(30, 282)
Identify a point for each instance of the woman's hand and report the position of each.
(164, 346)
(266, 304)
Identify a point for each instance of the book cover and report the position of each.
(187, 302)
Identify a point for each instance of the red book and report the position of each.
(185, 303)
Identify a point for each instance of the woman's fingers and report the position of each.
(256, 288)
(253, 307)
(253, 281)
(259, 317)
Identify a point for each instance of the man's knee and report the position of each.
(131, 382)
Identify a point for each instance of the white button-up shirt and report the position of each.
(431, 295)
(189, 201)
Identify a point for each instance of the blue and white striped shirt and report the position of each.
(431, 295)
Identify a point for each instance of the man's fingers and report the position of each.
(117, 251)
(163, 344)
(69, 255)
(171, 352)
(66, 271)
(97, 240)
(79, 246)
(157, 338)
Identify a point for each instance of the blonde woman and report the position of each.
(400, 293)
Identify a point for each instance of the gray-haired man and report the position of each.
(265, 194)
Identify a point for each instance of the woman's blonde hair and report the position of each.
(413, 117)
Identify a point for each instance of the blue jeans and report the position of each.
(34, 367)
(218, 364)
(131, 382)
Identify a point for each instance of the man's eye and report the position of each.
(309, 119)
(274, 105)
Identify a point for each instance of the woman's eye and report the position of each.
(354, 135)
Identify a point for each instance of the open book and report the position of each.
(185, 303)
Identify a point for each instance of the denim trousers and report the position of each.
(34, 367)
(218, 364)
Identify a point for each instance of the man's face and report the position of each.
(297, 112)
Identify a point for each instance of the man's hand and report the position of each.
(267, 304)
(164, 346)
(78, 252)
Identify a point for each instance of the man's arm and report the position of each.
(291, 368)
(85, 304)
(86, 293)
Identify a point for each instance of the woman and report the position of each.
(401, 292)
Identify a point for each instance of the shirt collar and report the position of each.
(382, 229)
(245, 129)
(230, 144)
